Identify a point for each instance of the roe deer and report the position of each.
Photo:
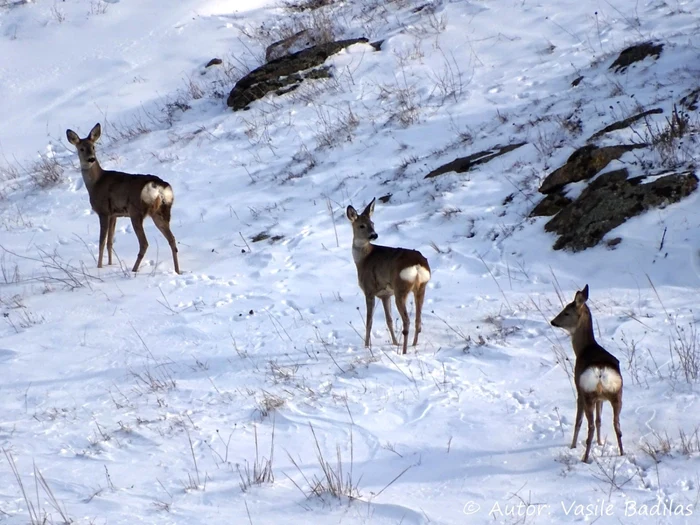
(383, 271)
(116, 194)
(596, 372)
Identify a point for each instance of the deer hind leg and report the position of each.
(401, 296)
(588, 408)
(110, 238)
(386, 303)
(579, 418)
(137, 223)
(418, 296)
(369, 299)
(617, 407)
(598, 414)
(104, 228)
(162, 221)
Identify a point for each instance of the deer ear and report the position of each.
(582, 296)
(95, 132)
(73, 137)
(351, 213)
(369, 210)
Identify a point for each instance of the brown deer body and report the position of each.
(383, 271)
(117, 194)
(596, 372)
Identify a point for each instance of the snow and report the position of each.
(139, 398)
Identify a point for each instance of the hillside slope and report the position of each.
(220, 395)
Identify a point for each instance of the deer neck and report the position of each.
(91, 175)
(583, 336)
(360, 251)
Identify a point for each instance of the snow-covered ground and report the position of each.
(143, 398)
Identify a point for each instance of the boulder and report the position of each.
(610, 200)
(285, 73)
(583, 164)
(636, 53)
(463, 164)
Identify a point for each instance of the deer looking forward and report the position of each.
(116, 194)
(596, 372)
(383, 271)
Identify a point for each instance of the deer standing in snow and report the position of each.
(596, 372)
(117, 194)
(383, 271)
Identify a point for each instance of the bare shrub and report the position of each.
(46, 172)
(268, 403)
(37, 514)
(332, 130)
(449, 80)
(98, 7)
(54, 270)
(126, 130)
(685, 352)
(659, 445)
(405, 97)
(260, 471)
(58, 14)
(673, 140)
(333, 480)
(683, 347)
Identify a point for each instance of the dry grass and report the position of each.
(333, 479)
(260, 471)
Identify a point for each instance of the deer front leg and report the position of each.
(368, 324)
(137, 223)
(386, 303)
(104, 227)
(110, 238)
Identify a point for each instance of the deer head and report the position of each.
(86, 146)
(569, 317)
(362, 225)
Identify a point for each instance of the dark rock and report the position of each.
(583, 164)
(611, 244)
(636, 53)
(625, 123)
(214, 62)
(282, 72)
(260, 237)
(610, 200)
(550, 205)
(385, 198)
(462, 164)
(690, 101)
(309, 5)
(576, 81)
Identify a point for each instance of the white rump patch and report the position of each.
(167, 193)
(608, 379)
(151, 192)
(415, 273)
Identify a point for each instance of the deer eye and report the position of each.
(362, 226)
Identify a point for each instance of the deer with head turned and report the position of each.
(117, 194)
(383, 271)
(596, 372)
